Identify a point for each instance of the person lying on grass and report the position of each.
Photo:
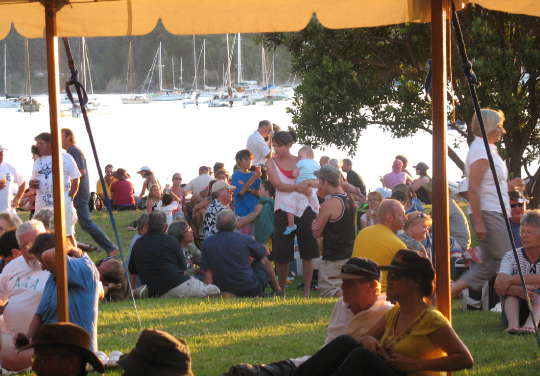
(508, 282)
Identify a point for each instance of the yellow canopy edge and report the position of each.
(139, 17)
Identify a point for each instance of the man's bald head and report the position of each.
(392, 214)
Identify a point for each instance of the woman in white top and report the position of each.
(485, 210)
(370, 218)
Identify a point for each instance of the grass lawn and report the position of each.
(222, 333)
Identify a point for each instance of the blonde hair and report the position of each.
(492, 119)
(150, 192)
(13, 220)
(308, 150)
(375, 194)
(417, 216)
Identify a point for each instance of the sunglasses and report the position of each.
(353, 269)
(395, 275)
(520, 204)
(176, 178)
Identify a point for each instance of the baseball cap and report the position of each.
(358, 268)
(409, 260)
(145, 168)
(329, 173)
(422, 166)
(220, 184)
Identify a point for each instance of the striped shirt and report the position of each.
(509, 266)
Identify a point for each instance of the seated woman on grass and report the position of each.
(413, 338)
(508, 282)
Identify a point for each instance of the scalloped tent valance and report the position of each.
(137, 17)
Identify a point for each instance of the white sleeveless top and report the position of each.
(280, 196)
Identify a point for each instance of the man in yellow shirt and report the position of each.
(379, 242)
(109, 179)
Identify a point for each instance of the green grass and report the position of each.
(222, 333)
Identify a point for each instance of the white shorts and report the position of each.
(192, 288)
(71, 217)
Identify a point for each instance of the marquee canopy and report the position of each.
(100, 18)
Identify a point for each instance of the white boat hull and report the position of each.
(135, 100)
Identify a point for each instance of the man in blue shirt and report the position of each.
(83, 296)
(226, 260)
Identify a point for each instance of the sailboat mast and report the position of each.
(83, 47)
(5, 69)
(229, 61)
(195, 61)
(130, 70)
(262, 66)
(204, 64)
(273, 71)
(239, 78)
(181, 74)
(173, 85)
(160, 70)
(28, 65)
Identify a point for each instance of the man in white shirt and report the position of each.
(261, 149)
(8, 176)
(21, 285)
(42, 181)
(200, 183)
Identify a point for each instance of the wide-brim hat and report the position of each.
(329, 173)
(412, 261)
(363, 268)
(121, 174)
(220, 184)
(71, 336)
(157, 353)
(421, 166)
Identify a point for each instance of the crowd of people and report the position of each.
(227, 236)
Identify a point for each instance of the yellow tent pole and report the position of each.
(58, 173)
(440, 9)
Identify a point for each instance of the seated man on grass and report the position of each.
(83, 291)
(158, 259)
(361, 306)
(508, 283)
(226, 260)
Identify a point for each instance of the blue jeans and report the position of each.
(83, 212)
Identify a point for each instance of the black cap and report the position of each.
(422, 166)
(364, 269)
(409, 260)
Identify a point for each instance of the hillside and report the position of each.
(109, 61)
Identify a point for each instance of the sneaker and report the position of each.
(141, 292)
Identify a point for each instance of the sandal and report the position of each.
(513, 330)
(93, 248)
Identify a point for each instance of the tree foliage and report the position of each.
(354, 78)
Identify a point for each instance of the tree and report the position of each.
(354, 78)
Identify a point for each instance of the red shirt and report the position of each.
(123, 192)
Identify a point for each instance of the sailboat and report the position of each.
(134, 99)
(165, 95)
(29, 104)
(9, 102)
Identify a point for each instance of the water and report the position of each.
(170, 139)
